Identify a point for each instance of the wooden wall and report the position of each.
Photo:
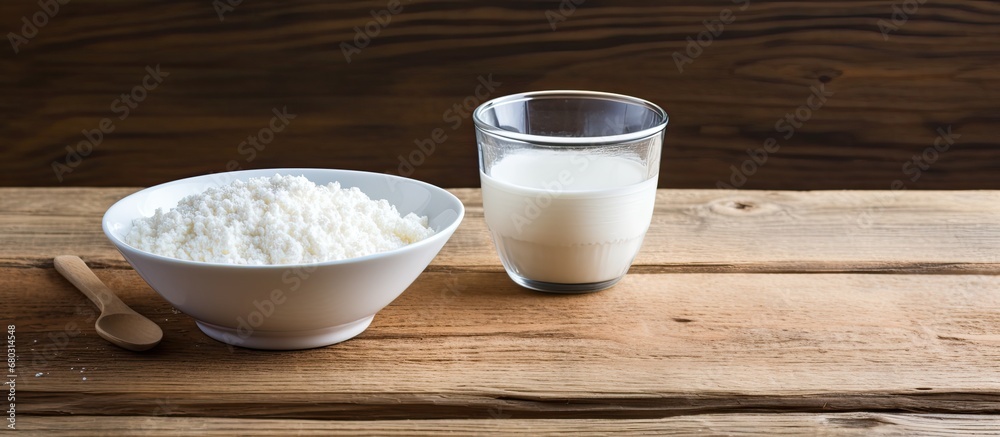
(895, 78)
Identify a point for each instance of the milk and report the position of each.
(565, 217)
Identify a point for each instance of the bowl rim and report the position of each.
(444, 233)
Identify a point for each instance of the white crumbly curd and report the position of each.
(276, 220)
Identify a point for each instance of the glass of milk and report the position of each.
(569, 183)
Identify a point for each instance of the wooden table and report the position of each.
(761, 312)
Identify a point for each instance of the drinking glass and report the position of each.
(569, 183)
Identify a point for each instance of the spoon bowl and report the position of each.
(118, 323)
(130, 331)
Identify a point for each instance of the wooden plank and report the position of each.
(839, 424)
(891, 91)
(456, 346)
(692, 231)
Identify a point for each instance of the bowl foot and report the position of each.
(285, 340)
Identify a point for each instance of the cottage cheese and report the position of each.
(276, 220)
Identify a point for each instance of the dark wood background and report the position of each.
(940, 68)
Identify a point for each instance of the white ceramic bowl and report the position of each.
(288, 306)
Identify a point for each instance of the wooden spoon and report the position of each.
(118, 323)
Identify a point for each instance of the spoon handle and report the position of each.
(74, 269)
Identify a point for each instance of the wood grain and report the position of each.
(842, 424)
(692, 231)
(797, 338)
(461, 346)
(890, 96)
